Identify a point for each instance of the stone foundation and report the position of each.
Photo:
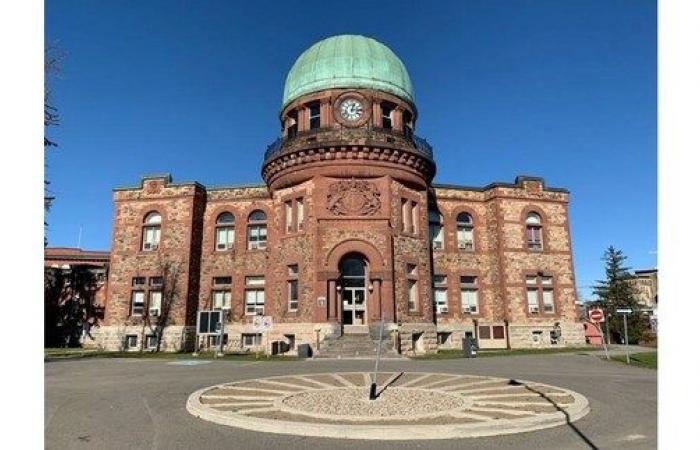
(114, 338)
(538, 336)
(417, 338)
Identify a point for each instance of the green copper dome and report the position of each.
(347, 61)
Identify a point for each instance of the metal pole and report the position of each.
(607, 329)
(221, 333)
(627, 343)
(373, 387)
(605, 347)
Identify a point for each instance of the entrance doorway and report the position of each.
(353, 277)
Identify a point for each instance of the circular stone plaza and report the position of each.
(409, 405)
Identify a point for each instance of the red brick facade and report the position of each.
(335, 189)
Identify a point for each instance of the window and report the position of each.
(225, 231)
(221, 299)
(138, 282)
(499, 332)
(484, 332)
(151, 232)
(293, 127)
(300, 214)
(255, 296)
(222, 281)
(533, 225)
(137, 303)
(288, 219)
(257, 230)
(469, 295)
(407, 124)
(540, 294)
(387, 108)
(214, 339)
(412, 275)
(465, 232)
(130, 341)
(154, 301)
(155, 282)
(293, 287)
(436, 229)
(151, 341)
(443, 337)
(251, 340)
(409, 216)
(314, 115)
(440, 293)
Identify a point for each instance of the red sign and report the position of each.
(596, 315)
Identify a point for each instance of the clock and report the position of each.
(351, 109)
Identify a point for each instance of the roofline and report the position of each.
(166, 177)
(519, 180)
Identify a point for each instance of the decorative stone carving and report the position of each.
(353, 198)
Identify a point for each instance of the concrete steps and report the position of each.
(359, 346)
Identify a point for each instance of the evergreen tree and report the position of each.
(617, 292)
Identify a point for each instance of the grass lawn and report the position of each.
(644, 359)
(60, 353)
(457, 353)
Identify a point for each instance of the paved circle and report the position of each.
(411, 405)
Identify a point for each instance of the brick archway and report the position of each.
(375, 261)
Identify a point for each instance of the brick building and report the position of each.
(348, 228)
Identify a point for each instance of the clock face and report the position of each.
(351, 109)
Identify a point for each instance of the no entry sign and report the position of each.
(596, 315)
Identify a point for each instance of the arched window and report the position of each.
(224, 231)
(436, 229)
(465, 232)
(257, 230)
(151, 232)
(533, 226)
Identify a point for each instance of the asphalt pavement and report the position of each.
(140, 403)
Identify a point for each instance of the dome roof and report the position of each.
(347, 61)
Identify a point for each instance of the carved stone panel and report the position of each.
(353, 198)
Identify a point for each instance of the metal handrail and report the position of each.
(420, 144)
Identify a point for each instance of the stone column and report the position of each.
(397, 119)
(376, 114)
(376, 312)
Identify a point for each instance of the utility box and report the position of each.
(469, 347)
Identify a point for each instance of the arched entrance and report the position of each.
(353, 287)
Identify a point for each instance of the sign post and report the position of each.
(624, 313)
(596, 316)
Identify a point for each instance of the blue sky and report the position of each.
(565, 90)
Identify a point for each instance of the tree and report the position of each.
(52, 60)
(616, 292)
(69, 302)
(169, 272)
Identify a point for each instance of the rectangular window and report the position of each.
(465, 238)
(300, 214)
(386, 115)
(293, 287)
(548, 300)
(138, 282)
(154, 302)
(222, 281)
(257, 237)
(151, 238)
(224, 238)
(470, 299)
(255, 297)
(288, 219)
(443, 338)
(155, 282)
(214, 340)
(221, 299)
(484, 332)
(137, 303)
(437, 232)
(151, 341)
(406, 215)
(414, 217)
(314, 115)
(533, 305)
(534, 238)
(499, 332)
(412, 295)
(440, 293)
(130, 341)
(251, 340)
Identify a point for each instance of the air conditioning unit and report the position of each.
(150, 246)
(221, 246)
(442, 310)
(437, 245)
(153, 312)
(462, 245)
(534, 310)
